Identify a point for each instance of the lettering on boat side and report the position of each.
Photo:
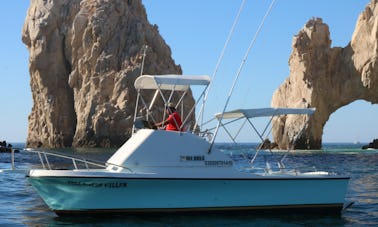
(99, 185)
(192, 158)
(218, 163)
(221, 163)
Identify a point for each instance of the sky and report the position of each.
(196, 31)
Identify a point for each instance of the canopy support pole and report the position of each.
(136, 110)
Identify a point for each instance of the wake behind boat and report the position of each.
(180, 171)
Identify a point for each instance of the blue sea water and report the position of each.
(20, 205)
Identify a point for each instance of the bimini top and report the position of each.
(264, 112)
(170, 82)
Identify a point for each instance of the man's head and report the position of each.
(170, 107)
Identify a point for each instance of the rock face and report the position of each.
(327, 78)
(84, 58)
(372, 145)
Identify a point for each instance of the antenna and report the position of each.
(144, 49)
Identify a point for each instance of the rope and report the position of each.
(240, 69)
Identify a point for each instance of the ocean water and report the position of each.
(20, 205)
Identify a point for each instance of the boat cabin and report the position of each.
(158, 150)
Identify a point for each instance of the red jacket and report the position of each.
(174, 122)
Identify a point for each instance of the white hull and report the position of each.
(150, 194)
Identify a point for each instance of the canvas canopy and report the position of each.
(170, 82)
(263, 112)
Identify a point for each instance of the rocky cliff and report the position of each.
(84, 58)
(327, 78)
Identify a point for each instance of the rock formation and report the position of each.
(84, 58)
(327, 78)
(371, 145)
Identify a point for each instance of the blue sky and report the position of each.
(196, 31)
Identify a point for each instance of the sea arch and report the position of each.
(354, 123)
(326, 78)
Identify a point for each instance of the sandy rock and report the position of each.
(84, 58)
(326, 78)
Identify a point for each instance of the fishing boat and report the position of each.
(181, 171)
(159, 170)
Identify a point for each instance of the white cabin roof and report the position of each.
(170, 82)
(264, 112)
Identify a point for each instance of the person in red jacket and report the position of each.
(173, 122)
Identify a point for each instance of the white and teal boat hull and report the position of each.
(70, 195)
(144, 176)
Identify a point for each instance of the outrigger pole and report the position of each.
(202, 109)
(239, 71)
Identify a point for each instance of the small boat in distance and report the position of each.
(180, 171)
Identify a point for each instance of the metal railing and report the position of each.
(268, 170)
(43, 157)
